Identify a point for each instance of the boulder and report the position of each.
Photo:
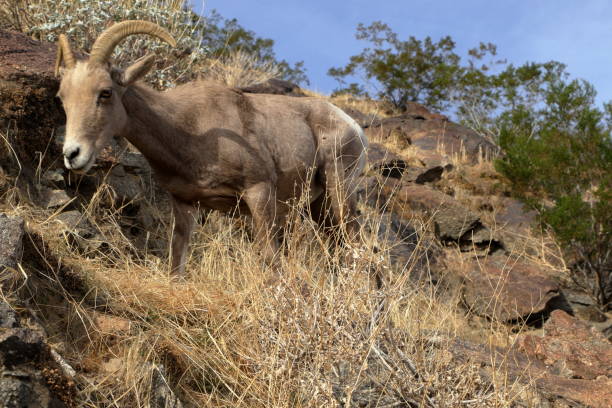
(364, 120)
(11, 234)
(417, 111)
(512, 214)
(513, 365)
(387, 163)
(405, 252)
(54, 199)
(421, 170)
(430, 133)
(28, 107)
(276, 87)
(509, 289)
(30, 377)
(79, 232)
(570, 348)
(453, 223)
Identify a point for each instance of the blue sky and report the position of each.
(322, 33)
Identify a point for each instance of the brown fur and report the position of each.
(213, 146)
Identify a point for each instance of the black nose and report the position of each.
(74, 153)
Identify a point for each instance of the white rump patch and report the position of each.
(342, 115)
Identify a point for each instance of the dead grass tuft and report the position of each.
(313, 332)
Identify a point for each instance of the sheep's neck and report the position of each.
(152, 131)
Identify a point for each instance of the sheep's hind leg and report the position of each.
(184, 220)
(343, 200)
(261, 200)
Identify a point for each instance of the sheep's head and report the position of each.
(91, 91)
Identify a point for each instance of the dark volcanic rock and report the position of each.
(20, 345)
(29, 375)
(276, 87)
(11, 234)
(387, 163)
(28, 109)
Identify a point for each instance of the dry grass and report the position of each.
(84, 21)
(312, 331)
(240, 69)
(367, 106)
(239, 333)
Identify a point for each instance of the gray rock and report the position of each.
(54, 178)
(11, 234)
(15, 392)
(79, 231)
(135, 163)
(8, 317)
(161, 394)
(56, 198)
(127, 186)
(403, 241)
(22, 353)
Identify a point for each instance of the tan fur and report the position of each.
(216, 147)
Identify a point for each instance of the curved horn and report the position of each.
(107, 41)
(64, 53)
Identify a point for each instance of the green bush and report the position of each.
(558, 159)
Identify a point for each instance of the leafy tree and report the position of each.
(558, 159)
(557, 144)
(223, 36)
(413, 70)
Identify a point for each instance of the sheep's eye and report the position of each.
(106, 93)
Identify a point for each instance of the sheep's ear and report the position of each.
(137, 70)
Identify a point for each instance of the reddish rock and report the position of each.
(418, 111)
(512, 365)
(453, 223)
(570, 348)
(513, 214)
(509, 289)
(426, 168)
(113, 325)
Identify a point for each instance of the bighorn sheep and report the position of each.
(210, 145)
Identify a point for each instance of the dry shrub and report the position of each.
(84, 20)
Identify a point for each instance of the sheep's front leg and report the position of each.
(184, 220)
(261, 200)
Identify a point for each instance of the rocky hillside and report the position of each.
(472, 305)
